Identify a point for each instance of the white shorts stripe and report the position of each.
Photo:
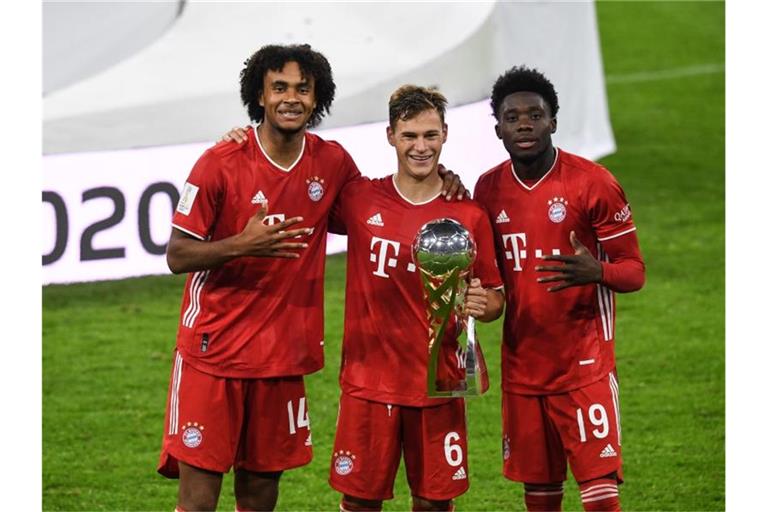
(614, 383)
(173, 421)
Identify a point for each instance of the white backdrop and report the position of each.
(120, 143)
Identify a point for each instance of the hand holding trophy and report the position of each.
(444, 252)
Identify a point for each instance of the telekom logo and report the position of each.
(385, 258)
(382, 258)
(271, 220)
(514, 249)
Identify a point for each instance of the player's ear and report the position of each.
(553, 124)
(445, 132)
(498, 130)
(390, 136)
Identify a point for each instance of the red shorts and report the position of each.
(544, 432)
(213, 423)
(371, 435)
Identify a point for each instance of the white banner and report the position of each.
(107, 214)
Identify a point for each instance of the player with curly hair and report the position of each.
(565, 242)
(250, 229)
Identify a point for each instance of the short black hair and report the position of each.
(408, 101)
(523, 79)
(273, 58)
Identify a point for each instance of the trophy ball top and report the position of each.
(442, 245)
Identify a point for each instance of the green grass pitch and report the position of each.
(107, 346)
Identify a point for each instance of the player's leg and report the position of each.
(601, 493)
(588, 420)
(435, 453)
(366, 453)
(532, 451)
(275, 437)
(203, 420)
(256, 491)
(198, 488)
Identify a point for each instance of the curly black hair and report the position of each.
(274, 58)
(523, 79)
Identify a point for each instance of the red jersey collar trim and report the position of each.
(522, 183)
(278, 166)
(394, 185)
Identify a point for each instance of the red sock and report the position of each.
(544, 499)
(601, 494)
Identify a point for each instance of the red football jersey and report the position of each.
(384, 356)
(554, 341)
(258, 317)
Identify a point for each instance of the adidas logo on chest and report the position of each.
(376, 220)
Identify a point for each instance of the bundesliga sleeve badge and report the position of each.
(315, 188)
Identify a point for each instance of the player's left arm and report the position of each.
(611, 219)
(624, 272)
(452, 185)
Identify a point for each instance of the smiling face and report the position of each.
(288, 98)
(525, 126)
(418, 142)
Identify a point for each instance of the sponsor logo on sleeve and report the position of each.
(187, 198)
(623, 215)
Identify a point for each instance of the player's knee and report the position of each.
(198, 488)
(423, 504)
(256, 491)
(355, 504)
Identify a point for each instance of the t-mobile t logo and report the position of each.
(514, 249)
(271, 220)
(382, 258)
(515, 242)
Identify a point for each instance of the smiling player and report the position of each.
(566, 242)
(384, 409)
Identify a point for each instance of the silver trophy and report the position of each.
(444, 252)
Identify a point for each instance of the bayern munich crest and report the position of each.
(557, 210)
(315, 188)
(506, 448)
(343, 462)
(192, 435)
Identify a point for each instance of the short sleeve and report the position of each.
(199, 203)
(609, 210)
(486, 269)
(350, 174)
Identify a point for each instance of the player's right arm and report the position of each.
(188, 254)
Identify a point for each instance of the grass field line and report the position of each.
(665, 74)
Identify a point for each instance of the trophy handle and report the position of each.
(477, 371)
